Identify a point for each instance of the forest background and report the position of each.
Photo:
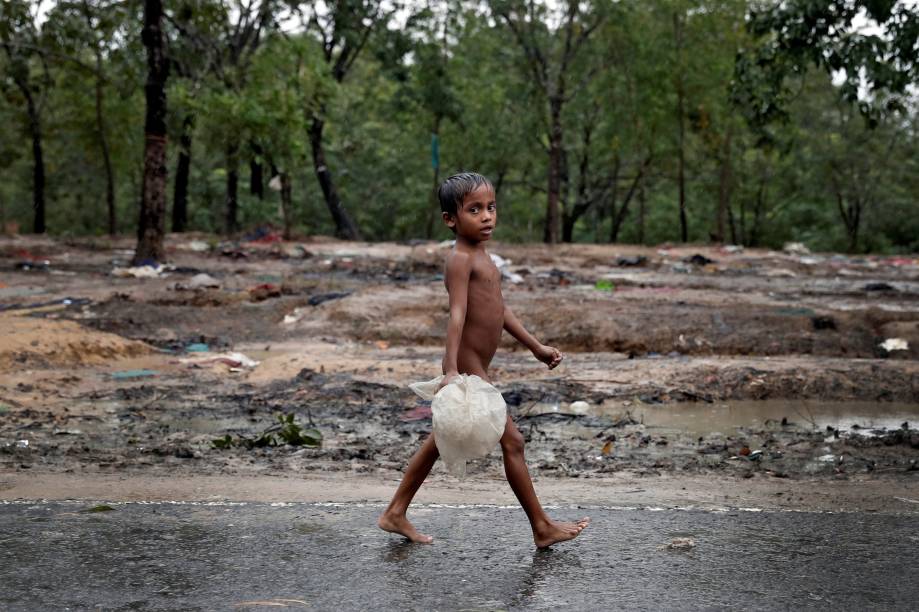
(729, 121)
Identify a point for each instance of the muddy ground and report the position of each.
(786, 359)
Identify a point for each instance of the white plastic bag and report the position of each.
(469, 416)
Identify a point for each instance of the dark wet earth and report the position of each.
(160, 556)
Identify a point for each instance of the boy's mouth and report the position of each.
(487, 230)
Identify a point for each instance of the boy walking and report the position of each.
(477, 318)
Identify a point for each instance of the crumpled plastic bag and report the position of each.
(468, 415)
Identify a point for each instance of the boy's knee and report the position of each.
(512, 441)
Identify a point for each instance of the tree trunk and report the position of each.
(641, 213)
(344, 226)
(286, 203)
(38, 168)
(681, 126)
(232, 200)
(151, 228)
(724, 193)
(256, 175)
(106, 157)
(183, 169)
(550, 231)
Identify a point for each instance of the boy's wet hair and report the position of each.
(452, 191)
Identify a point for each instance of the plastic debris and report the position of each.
(631, 262)
(145, 271)
(22, 444)
(730, 249)
(604, 284)
(294, 316)
(796, 248)
(197, 347)
(203, 281)
(503, 266)
(895, 344)
(264, 291)
(579, 407)
(698, 260)
(316, 300)
(234, 360)
(129, 374)
(198, 246)
(469, 416)
(879, 287)
(779, 273)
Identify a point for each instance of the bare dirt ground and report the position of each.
(768, 373)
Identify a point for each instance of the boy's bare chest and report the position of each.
(485, 281)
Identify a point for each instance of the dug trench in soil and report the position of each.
(340, 329)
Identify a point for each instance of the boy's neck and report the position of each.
(470, 244)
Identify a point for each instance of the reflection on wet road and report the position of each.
(162, 556)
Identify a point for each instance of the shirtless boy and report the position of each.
(477, 317)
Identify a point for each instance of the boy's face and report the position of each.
(476, 216)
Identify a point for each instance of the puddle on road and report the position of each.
(726, 417)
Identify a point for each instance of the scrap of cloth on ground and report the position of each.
(468, 415)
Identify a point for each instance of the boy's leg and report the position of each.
(545, 531)
(393, 518)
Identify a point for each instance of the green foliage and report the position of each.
(771, 145)
(285, 431)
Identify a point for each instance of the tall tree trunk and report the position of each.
(151, 228)
(256, 174)
(724, 192)
(344, 226)
(232, 199)
(286, 203)
(183, 169)
(642, 203)
(550, 231)
(106, 157)
(681, 126)
(38, 168)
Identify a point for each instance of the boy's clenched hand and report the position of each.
(549, 355)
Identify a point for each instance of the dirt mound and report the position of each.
(34, 342)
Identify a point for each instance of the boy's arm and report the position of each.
(459, 268)
(546, 354)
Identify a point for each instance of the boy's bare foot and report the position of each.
(557, 531)
(394, 523)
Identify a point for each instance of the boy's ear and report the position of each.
(449, 219)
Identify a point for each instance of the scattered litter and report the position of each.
(382, 344)
(198, 246)
(632, 262)
(316, 300)
(294, 316)
(263, 235)
(264, 291)
(203, 281)
(826, 458)
(907, 500)
(730, 249)
(895, 344)
(607, 448)
(579, 407)
(504, 266)
(22, 444)
(129, 374)
(197, 347)
(33, 264)
(604, 284)
(678, 544)
(779, 273)
(879, 287)
(698, 260)
(145, 271)
(796, 248)
(234, 360)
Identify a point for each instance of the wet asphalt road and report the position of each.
(331, 557)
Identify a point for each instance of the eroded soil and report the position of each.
(102, 374)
